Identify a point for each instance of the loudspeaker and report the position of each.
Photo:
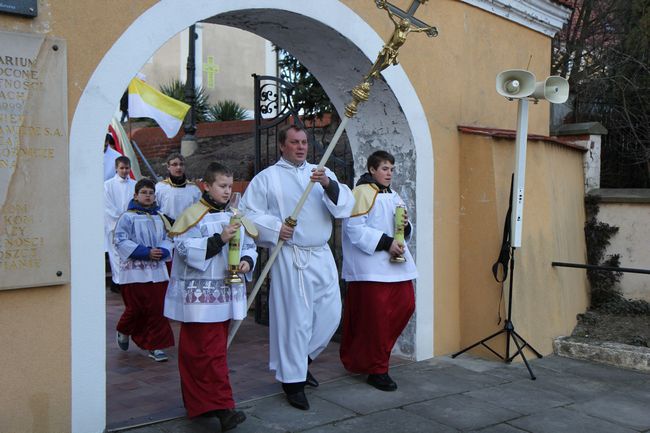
(515, 83)
(554, 89)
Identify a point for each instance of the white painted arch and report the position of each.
(97, 104)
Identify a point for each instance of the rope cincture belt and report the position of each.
(302, 265)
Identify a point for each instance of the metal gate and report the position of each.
(274, 109)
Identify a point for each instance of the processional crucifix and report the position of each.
(405, 23)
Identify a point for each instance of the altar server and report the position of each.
(142, 244)
(380, 298)
(176, 193)
(200, 298)
(118, 192)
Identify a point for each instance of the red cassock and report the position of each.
(203, 367)
(143, 318)
(374, 316)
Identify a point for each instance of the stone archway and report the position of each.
(336, 45)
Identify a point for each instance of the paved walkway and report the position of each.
(451, 395)
(141, 391)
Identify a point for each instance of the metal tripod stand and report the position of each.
(509, 330)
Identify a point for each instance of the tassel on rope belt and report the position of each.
(301, 258)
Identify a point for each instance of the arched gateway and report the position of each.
(336, 45)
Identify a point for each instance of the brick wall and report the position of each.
(154, 144)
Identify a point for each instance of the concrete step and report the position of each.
(617, 354)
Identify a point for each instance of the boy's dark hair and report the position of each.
(173, 156)
(144, 183)
(123, 159)
(109, 139)
(213, 170)
(378, 157)
(282, 133)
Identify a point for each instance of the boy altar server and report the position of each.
(199, 297)
(305, 299)
(118, 192)
(142, 244)
(175, 193)
(380, 298)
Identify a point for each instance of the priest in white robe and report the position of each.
(305, 300)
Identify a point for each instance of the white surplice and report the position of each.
(173, 200)
(361, 234)
(110, 155)
(305, 299)
(140, 228)
(197, 291)
(118, 193)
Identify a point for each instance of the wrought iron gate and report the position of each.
(274, 109)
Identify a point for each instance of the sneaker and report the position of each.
(158, 355)
(122, 341)
(382, 382)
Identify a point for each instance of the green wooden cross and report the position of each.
(210, 68)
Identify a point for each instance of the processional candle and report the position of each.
(399, 231)
(234, 243)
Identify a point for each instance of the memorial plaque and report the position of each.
(28, 8)
(34, 192)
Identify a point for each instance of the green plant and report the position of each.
(176, 89)
(604, 284)
(227, 110)
(606, 294)
(308, 95)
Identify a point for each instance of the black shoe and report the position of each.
(298, 400)
(311, 380)
(382, 382)
(229, 418)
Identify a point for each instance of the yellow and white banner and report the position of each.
(145, 101)
(123, 145)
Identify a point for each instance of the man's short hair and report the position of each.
(173, 156)
(144, 183)
(378, 157)
(109, 139)
(282, 133)
(215, 169)
(122, 159)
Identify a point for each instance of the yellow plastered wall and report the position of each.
(545, 299)
(35, 323)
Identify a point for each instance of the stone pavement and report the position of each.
(458, 395)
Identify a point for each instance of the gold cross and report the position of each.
(210, 68)
(409, 15)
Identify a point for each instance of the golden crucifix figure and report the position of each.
(403, 26)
